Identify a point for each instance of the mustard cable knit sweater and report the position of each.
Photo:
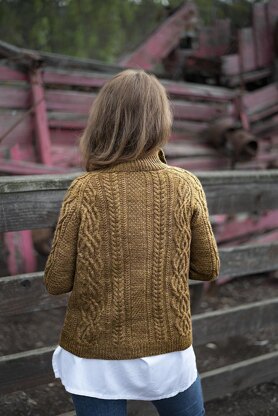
(127, 239)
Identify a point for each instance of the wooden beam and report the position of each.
(96, 80)
(29, 57)
(238, 376)
(20, 128)
(76, 121)
(80, 102)
(227, 192)
(262, 35)
(16, 167)
(234, 80)
(221, 324)
(26, 293)
(260, 99)
(247, 50)
(26, 369)
(15, 97)
(163, 40)
(11, 74)
(256, 259)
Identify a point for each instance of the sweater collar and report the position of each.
(155, 161)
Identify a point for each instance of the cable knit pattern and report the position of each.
(91, 286)
(68, 222)
(111, 187)
(127, 240)
(181, 258)
(159, 252)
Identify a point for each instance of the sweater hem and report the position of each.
(124, 352)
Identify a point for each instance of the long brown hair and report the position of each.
(130, 118)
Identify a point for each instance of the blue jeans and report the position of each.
(187, 403)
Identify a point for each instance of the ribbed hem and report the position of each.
(110, 352)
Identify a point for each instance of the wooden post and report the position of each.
(40, 113)
(21, 255)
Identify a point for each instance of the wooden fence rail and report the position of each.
(34, 202)
(26, 293)
(30, 368)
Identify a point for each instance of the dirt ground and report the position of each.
(42, 329)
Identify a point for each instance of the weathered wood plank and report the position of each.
(238, 376)
(22, 133)
(214, 41)
(272, 13)
(77, 121)
(230, 65)
(32, 368)
(40, 197)
(26, 293)
(234, 230)
(234, 80)
(80, 102)
(15, 97)
(20, 167)
(247, 50)
(28, 57)
(261, 35)
(187, 90)
(261, 258)
(79, 78)
(26, 369)
(220, 324)
(188, 149)
(260, 99)
(10, 74)
(159, 44)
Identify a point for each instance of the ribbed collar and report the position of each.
(155, 161)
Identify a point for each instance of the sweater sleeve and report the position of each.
(60, 266)
(204, 256)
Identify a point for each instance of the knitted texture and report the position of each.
(128, 239)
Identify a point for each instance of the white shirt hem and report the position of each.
(101, 396)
